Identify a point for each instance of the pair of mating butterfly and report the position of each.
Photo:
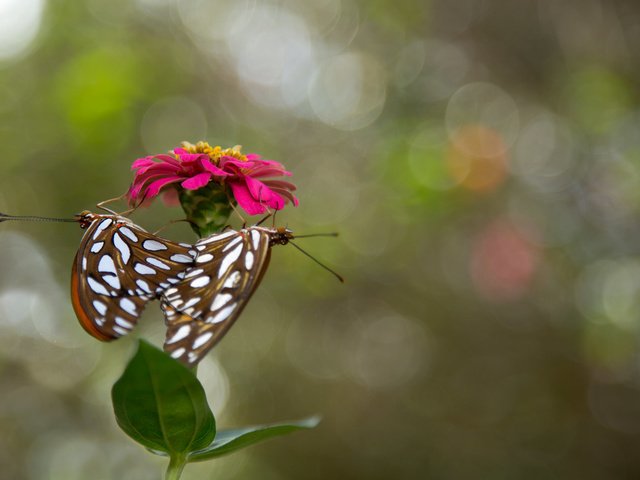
(202, 288)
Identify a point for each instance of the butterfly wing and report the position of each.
(202, 307)
(119, 267)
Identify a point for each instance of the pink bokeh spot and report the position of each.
(503, 262)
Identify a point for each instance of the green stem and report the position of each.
(176, 465)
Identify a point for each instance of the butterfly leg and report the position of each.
(102, 204)
(232, 202)
(172, 222)
(264, 218)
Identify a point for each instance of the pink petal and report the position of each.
(192, 157)
(154, 187)
(267, 172)
(168, 159)
(264, 194)
(207, 165)
(170, 197)
(230, 161)
(142, 162)
(157, 168)
(280, 184)
(197, 181)
(245, 199)
(286, 194)
(271, 163)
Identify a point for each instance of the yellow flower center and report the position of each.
(216, 152)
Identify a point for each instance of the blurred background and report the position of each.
(481, 161)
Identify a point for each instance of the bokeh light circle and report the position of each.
(19, 24)
(487, 105)
(349, 91)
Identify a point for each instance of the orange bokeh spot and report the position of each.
(477, 158)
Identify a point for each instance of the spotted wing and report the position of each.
(119, 267)
(202, 307)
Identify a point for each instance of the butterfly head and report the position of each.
(85, 218)
(281, 236)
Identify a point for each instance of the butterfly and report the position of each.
(205, 303)
(118, 269)
(203, 288)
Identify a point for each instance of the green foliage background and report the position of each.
(480, 160)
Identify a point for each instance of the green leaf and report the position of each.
(160, 404)
(228, 441)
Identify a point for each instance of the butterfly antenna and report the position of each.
(32, 218)
(310, 235)
(336, 274)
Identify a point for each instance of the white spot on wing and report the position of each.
(232, 281)
(232, 243)
(104, 224)
(231, 257)
(153, 245)
(100, 307)
(106, 264)
(201, 281)
(96, 247)
(143, 269)
(178, 353)
(128, 306)
(97, 287)
(182, 332)
(248, 260)
(223, 314)
(122, 247)
(84, 263)
(124, 323)
(120, 330)
(127, 232)
(220, 300)
(217, 237)
(112, 280)
(158, 263)
(143, 285)
(202, 339)
(255, 238)
(207, 257)
(181, 258)
(191, 303)
(193, 273)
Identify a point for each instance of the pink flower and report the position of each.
(195, 166)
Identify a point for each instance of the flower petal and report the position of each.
(197, 181)
(170, 197)
(154, 187)
(142, 162)
(245, 199)
(207, 165)
(263, 194)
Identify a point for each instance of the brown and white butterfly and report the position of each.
(118, 269)
(228, 268)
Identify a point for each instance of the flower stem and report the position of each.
(176, 465)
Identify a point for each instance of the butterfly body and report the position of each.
(118, 268)
(228, 268)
